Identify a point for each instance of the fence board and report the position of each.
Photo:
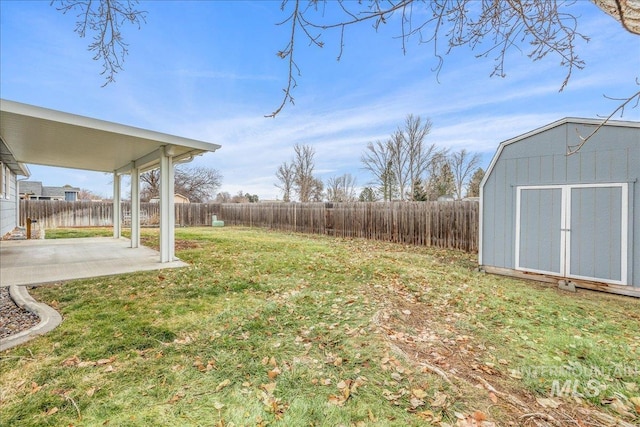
(451, 225)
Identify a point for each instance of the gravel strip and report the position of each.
(13, 319)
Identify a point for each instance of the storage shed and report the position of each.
(574, 218)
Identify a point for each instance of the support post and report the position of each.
(117, 214)
(135, 207)
(17, 203)
(167, 212)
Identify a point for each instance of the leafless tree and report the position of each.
(399, 162)
(223, 197)
(104, 19)
(285, 175)
(240, 198)
(406, 155)
(341, 188)
(377, 160)
(317, 190)
(150, 185)
(85, 194)
(441, 181)
(419, 155)
(462, 165)
(196, 183)
(303, 165)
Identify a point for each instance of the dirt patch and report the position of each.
(426, 336)
(186, 244)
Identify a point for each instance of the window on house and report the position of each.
(4, 192)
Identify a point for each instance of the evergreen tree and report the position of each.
(473, 190)
(420, 193)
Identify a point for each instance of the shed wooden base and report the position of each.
(584, 284)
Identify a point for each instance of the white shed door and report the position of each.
(577, 231)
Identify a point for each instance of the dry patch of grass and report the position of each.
(269, 328)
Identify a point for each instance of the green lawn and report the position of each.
(267, 328)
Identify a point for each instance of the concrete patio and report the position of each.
(33, 262)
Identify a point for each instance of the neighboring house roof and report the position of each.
(53, 192)
(37, 189)
(30, 187)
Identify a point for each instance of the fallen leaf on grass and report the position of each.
(419, 393)
(106, 361)
(269, 388)
(176, 397)
(185, 340)
(479, 416)
(90, 392)
(223, 384)
(52, 411)
(428, 416)
(493, 397)
(618, 405)
(415, 402)
(337, 400)
(636, 402)
(548, 402)
(631, 386)
(71, 361)
(439, 400)
(200, 366)
(514, 373)
(35, 387)
(273, 374)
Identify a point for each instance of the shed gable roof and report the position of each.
(561, 122)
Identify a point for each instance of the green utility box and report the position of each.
(215, 222)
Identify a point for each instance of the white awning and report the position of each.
(47, 137)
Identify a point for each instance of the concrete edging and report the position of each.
(49, 318)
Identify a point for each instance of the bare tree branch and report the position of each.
(543, 25)
(572, 149)
(104, 19)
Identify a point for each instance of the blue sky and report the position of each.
(209, 71)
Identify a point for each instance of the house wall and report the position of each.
(611, 156)
(8, 202)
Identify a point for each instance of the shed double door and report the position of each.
(576, 231)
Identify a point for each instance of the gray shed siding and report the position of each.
(539, 158)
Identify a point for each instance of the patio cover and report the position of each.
(47, 137)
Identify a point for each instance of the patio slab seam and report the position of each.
(49, 318)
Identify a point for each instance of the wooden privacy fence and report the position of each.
(452, 225)
(58, 214)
